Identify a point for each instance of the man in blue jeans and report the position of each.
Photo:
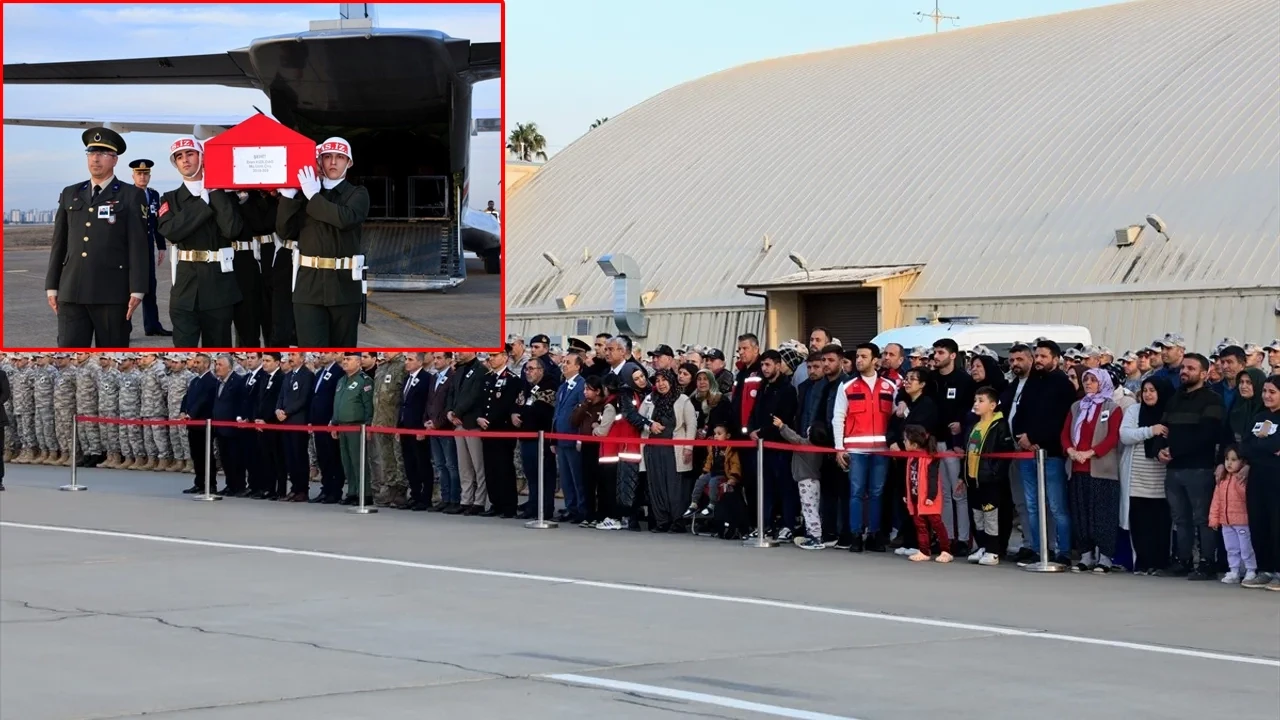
(568, 457)
(860, 420)
(1039, 412)
(444, 451)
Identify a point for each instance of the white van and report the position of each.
(967, 333)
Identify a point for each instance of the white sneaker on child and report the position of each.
(976, 556)
(906, 551)
(989, 559)
(1231, 578)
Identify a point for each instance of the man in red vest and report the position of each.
(859, 422)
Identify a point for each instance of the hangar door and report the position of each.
(852, 317)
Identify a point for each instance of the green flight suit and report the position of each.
(353, 405)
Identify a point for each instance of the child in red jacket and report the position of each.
(924, 494)
(1227, 511)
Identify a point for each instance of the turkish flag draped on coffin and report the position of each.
(257, 154)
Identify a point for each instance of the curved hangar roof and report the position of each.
(1003, 157)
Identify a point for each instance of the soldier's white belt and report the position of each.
(264, 239)
(198, 256)
(238, 246)
(355, 264)
(324, 263)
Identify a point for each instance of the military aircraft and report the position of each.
(402, 98)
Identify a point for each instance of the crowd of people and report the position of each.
(1159, 461)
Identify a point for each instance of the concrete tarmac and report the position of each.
(466, 316)
(272, 611)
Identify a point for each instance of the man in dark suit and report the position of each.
(328, 456)
(464, 406)
(228, 400)
(150, 312)
(326, 223)
(201, 224)
(255, 380)
(198, 405)
(295, 403)
(415, 448)
(444, 453)
(98, 277)
(274, 482)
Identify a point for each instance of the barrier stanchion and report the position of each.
(75, 447)
(361, 508)
(761, 540)
(1044, 566)
(542, 523)
(208, 465)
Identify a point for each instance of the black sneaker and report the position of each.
(1026, 556)
(1062, 559)
(1203, 572)
(1176, 570)
(855, 544)
(844, 542)
(874, 544)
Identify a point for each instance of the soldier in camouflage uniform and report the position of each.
(90, 449)
(46, 438)
(24, 404)
(390, 488)
(179, 378)
(132, 445)
(10, 434)
(154, 407)
(64, 405)
(109, 406)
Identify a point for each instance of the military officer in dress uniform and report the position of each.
(502, 390)
(201, 223)
(150, 312)
(98, 277)
(328, 267)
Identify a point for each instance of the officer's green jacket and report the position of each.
(100, 252)
(326, 226)
(192, 224)
(353, 400)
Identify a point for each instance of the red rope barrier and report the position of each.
(526, 435)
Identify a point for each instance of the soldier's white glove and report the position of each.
(204, 195)
(309, 182)
(244, 196)
(288, 192)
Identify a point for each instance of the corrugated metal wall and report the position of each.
(1127, 322)
(716, 327)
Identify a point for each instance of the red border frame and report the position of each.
(502, 184)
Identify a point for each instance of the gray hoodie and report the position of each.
(804, 465)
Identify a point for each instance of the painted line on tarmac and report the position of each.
(672, 592)
(696, 697)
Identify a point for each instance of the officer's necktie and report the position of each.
(94, 198)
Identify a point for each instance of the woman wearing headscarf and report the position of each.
(666, 411)
(1142, 477)
(1262, 495)
(711, 407)
(1248, 403)
(1090, 436)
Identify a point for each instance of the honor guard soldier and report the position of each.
(201, 224)
(328, 268)
(247, 315)
(98, 277)
(503, 391)
(150, 313)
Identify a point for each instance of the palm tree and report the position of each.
(599, 122)
(526, 143)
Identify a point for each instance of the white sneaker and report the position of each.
(977, 555)
(784, 535)
(1250, 575)
(988, 559)
(1231, 578)
(609, 524)
(906, 551)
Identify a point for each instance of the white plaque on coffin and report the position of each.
(260, 165)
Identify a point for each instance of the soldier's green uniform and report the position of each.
(353, 405)
(389, 484)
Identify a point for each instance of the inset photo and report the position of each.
(313, 176)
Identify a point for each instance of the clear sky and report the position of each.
(572, 61)
(39, 162)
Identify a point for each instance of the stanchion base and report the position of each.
(73, 488)
(1045, 567)
(760, 542)
(207, 498)
(362, 510)
(542, 524)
